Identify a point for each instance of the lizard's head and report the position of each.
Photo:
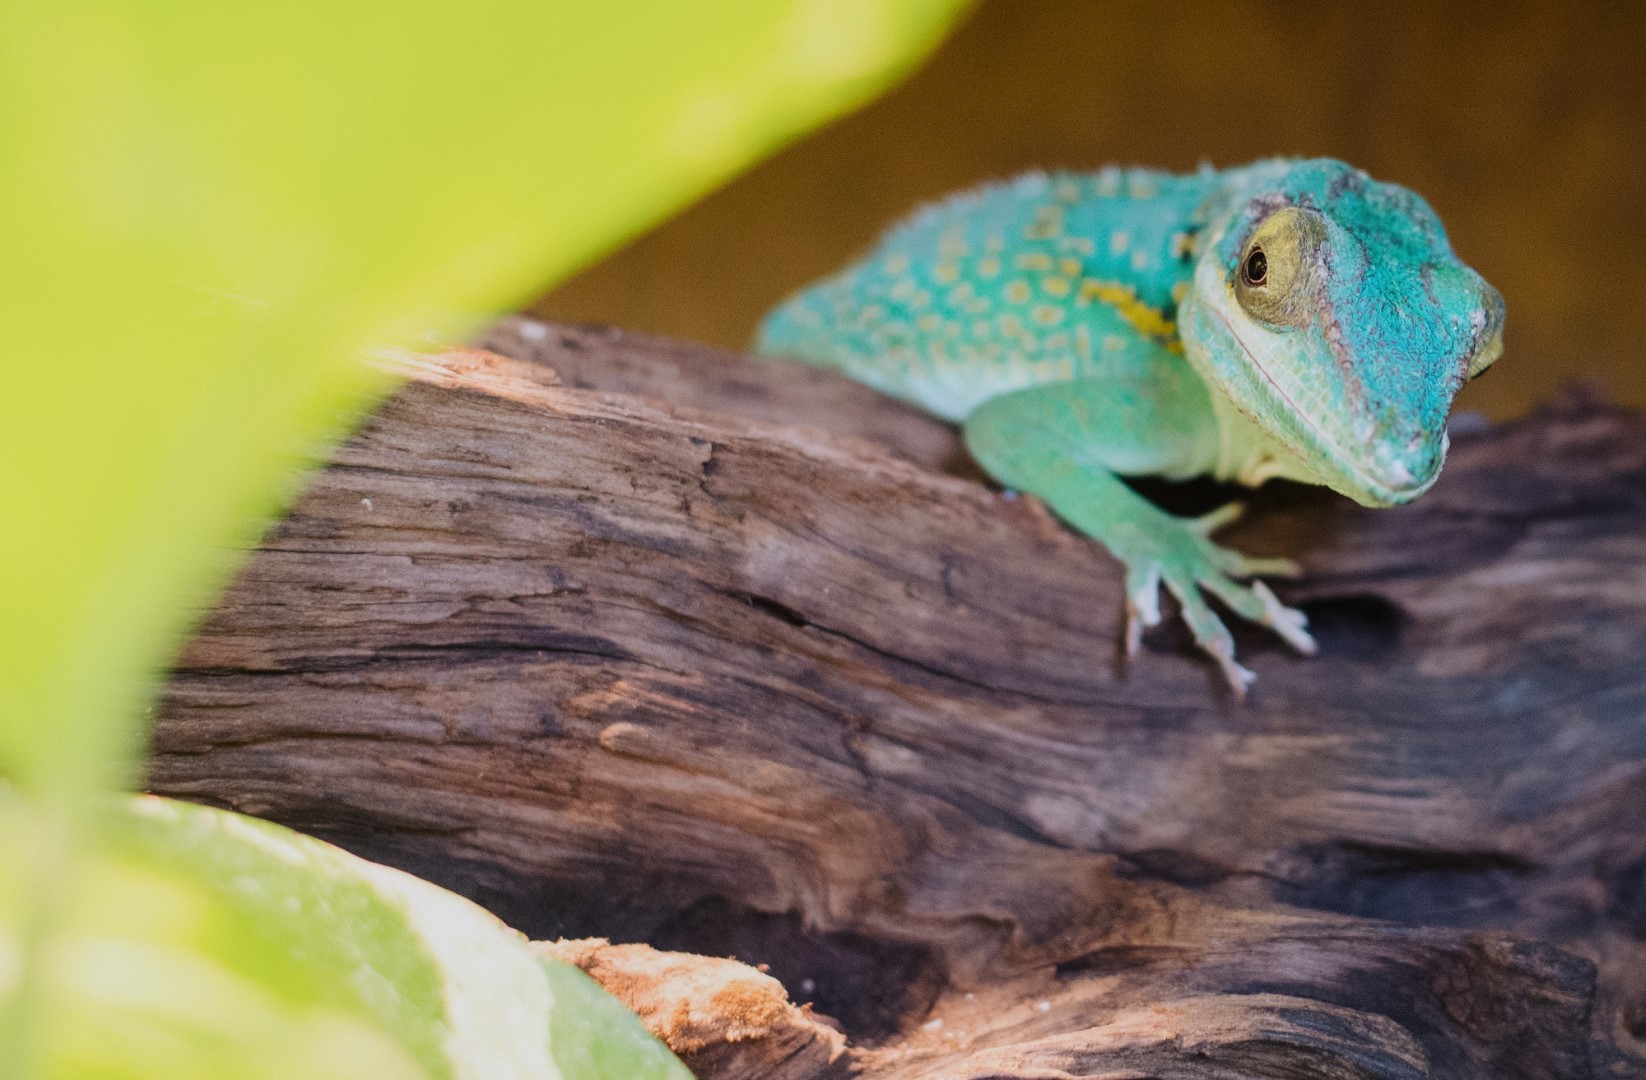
(1330, 309)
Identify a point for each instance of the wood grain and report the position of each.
(617, 661)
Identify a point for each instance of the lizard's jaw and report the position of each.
(1352, 454)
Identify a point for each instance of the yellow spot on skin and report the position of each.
(1068, 191)
(1082, 244)
(946, 272)
(1123, 298)
(1113, 343)
(1018, 292)
(1119, 242)
(871, 314)
(927, 322)
(1070, 267)
(1048, 222)
(953, 245)
(1010, 325)
(995, 243)
(904, 289)
(1183, 245)
(1108, 181)
(988, 267)
(1083, 342)
(1048, 314)
(897, 264)
(1058, 341)
(1034, 260)
(1140, 260)
(959, 294)
(1143, 187)
(920, 299)
(1179, 291)
(982, 329)
(978, 304)
(1052, 285)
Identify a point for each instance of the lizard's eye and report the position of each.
(1276, 280)
(1255, 270)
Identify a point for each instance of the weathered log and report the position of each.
(629, 665)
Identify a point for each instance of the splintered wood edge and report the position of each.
(722, 1017)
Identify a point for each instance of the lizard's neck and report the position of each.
(1246, 454)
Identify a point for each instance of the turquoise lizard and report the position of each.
(1291, 318)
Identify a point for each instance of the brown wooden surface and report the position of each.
(617, 662)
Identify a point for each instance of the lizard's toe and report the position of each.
(1227, 514)
(1257, 603)
(1210, 633)
(1249, 566)
(1142, 604)
(1289, 623)
(1239, 678)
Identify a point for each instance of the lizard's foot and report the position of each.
(1183, 557)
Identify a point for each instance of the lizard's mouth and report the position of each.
(1372, 474)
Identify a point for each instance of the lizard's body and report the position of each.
(1084, 326)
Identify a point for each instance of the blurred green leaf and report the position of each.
(203, 945)
(209, 208)
(207, 211)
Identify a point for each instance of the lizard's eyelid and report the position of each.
(1287, 241)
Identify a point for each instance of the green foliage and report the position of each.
(209, 210)
(202, 944)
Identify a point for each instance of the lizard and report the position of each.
(1291, 318)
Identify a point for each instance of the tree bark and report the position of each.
(712, 654)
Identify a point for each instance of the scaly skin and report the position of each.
(1286, 319)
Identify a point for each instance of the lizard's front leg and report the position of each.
(1065, 442)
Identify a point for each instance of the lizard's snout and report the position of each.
(1400, 469)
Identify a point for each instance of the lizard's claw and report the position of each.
(1239, 678)
(1142, 604)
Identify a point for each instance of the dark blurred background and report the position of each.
(1523, 124)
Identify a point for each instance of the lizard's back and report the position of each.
(1045, 278)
